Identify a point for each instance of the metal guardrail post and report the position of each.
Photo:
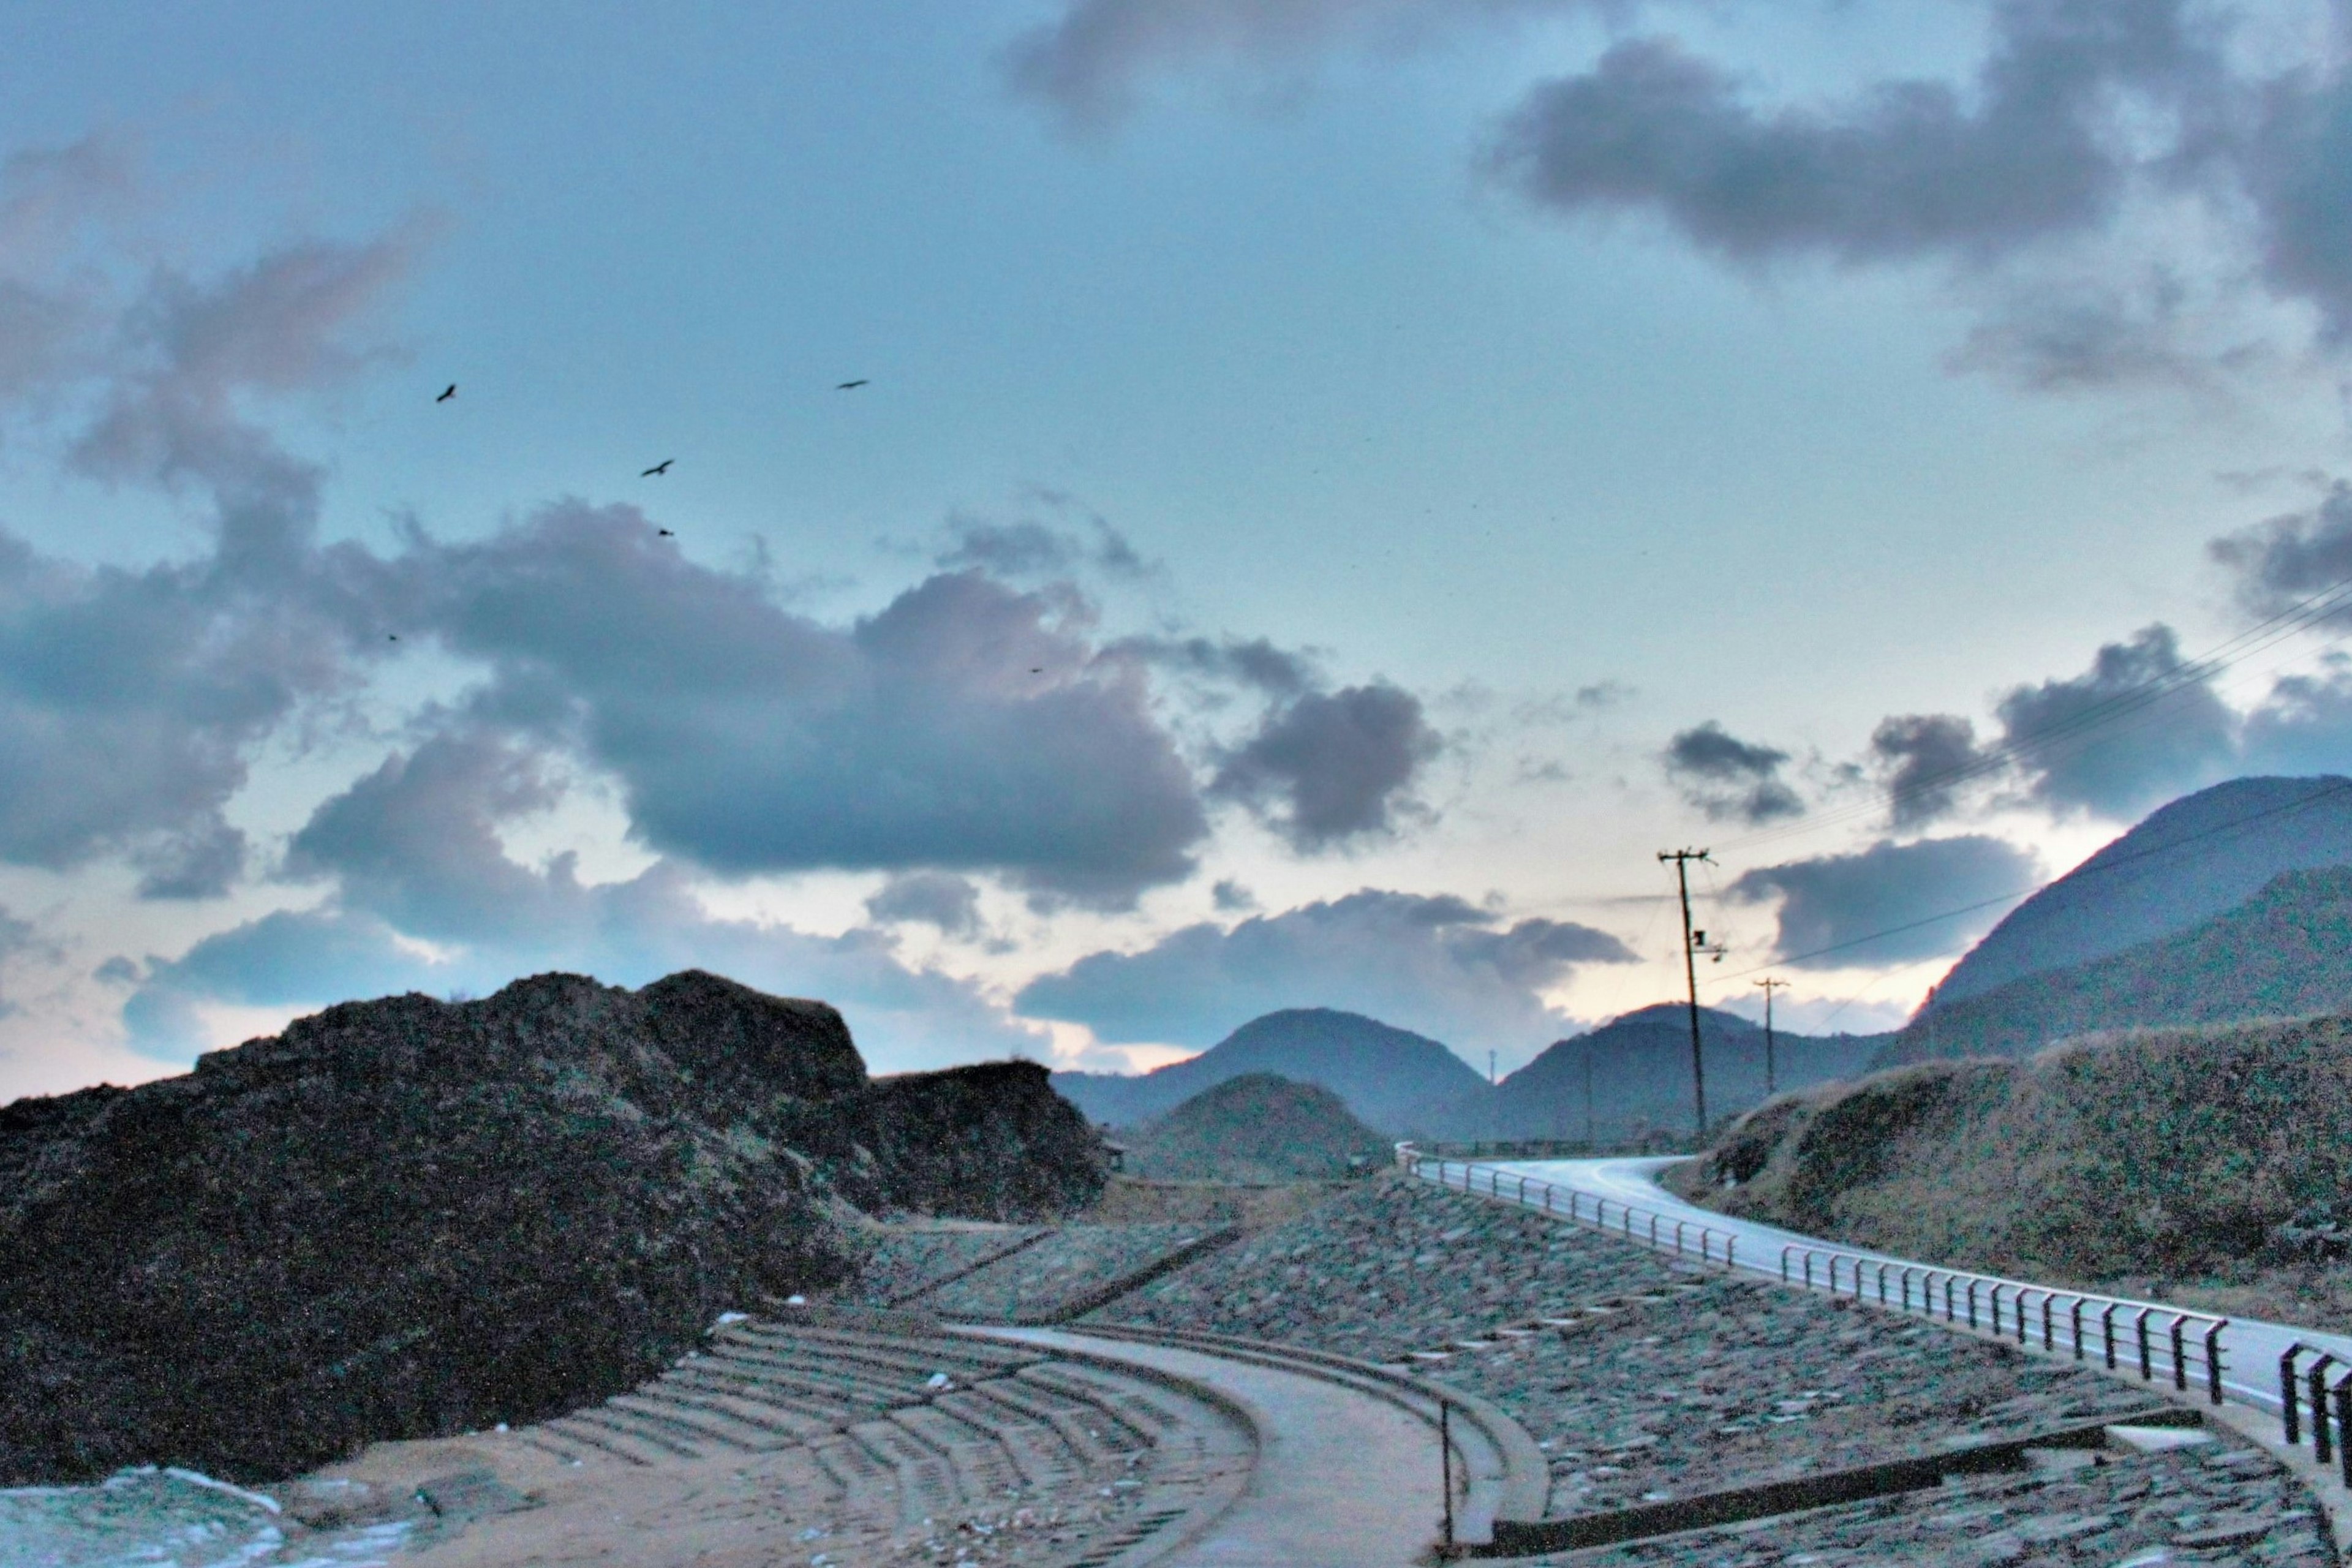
(2213, 1359)
(2147, 1366)
(1784, 1262)
(2318, 1387)
(2343, 1392)
(2179, 1356)
(2049, 1334)
(2290, 1423)
(1882, 1266)
(2074, 1316)
(1728, 1243)
(2107, 1323)
(2022, 1294)
(1973, 1282)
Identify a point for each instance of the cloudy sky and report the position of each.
(1335, 486)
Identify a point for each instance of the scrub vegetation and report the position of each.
(2203, 1165)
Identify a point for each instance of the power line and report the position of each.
(2131, 858)
(2267, 633)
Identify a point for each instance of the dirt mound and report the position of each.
(407, 1218)
(1260, 1127)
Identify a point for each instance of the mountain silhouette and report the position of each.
(1390, 1079)
(2182, 864)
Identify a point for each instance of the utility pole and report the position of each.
(1682, 859)
(1770, 984)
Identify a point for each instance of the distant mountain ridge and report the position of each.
(2182, 864)
(2284, 953)
(1407, 1085)
(1390, 1079)
(1641, 1077)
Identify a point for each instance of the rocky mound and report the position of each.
(407, 1218)
(1260, 1127)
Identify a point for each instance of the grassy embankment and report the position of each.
(2206, 1166)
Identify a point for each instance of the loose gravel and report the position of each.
(1389, 1267)
(2218, 1503)
(1734, 1383)
(1040, 1283)
(910, 1260)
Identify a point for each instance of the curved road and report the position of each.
(2250, 1348)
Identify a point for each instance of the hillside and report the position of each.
(1641, 1078)
(407, 1217)
(1258, 1127)
(2285, 952)
(1390, 1079)
(2182, 864)
(2205, 1166)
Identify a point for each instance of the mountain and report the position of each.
(2182, 864)
(1259, 1126)
(1641, 1077)
(1390, 1079)
(2284, 953)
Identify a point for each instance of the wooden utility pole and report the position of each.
(1682, 859)
(1770, 984)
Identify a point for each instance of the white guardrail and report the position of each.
(2148, 1339)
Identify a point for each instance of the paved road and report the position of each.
(1342, 1479)
(2250, 1348)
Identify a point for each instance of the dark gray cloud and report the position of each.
(1437, 964)
(1835, 901)
(937, 898)
(1252, 663)
(1923, 759)
(1027, 547)
(1729, 778)
(967, 726)
(133, 697)
(1232, 898)
(2101, 742)
(2283, 562)
(413, 851)
(2303, 725)
(1089, 64)
(417, 843)
(1908, 168)
(1327, 768)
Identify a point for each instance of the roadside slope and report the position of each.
(2204, 1164)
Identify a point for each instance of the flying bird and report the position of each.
(850, 385)
(665, 532)
(391, 636)
(447, 395)
(658, 470)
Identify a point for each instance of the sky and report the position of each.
(1328, 490)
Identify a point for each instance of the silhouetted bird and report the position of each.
(665, 532)
(849, 386)
(658, 468)
(391, 636)
(451, 393)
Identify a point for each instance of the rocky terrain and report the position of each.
(1645, 1382)
(409, 1217)
(1390, 1267)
